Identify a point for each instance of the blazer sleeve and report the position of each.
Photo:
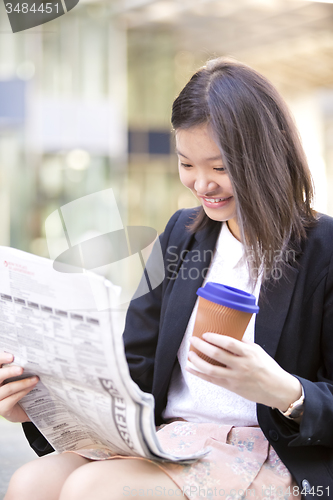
(316, 425)
(37, 441)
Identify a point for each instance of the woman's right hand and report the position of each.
(12, 392)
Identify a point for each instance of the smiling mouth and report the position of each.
(217, 200)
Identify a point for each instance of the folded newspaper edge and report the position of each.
(85, 401)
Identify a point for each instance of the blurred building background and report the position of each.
(85, 100)
(85, 105)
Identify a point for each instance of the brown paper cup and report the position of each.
(215, 318)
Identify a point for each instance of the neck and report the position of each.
(234, 229)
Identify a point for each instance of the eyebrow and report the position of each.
(213, 158)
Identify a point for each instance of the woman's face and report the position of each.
(201, 170)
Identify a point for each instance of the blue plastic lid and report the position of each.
(229, 297)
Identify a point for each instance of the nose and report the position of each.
(204, 186)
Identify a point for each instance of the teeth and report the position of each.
(215, 200)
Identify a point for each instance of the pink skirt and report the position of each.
(241, 465)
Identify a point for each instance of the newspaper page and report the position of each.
(85, 400)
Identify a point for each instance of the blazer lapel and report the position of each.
(274, 302)
(182, 299)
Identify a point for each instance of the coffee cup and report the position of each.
(224, 310)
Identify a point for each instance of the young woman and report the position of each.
(267, 413)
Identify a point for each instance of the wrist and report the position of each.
(296, 409)
(293, 392)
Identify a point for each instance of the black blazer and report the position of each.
(294, 326)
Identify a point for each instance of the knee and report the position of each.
(115, 480)
(23, 484)
(96, 480)
(78, 486)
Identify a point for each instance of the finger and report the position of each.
(13, 388)
(7, 405)
(230, 344)
(207, 368)
(217, 353)
(5, 357)
(11, 371)
(207, 378)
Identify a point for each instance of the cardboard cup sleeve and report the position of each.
(216, 318)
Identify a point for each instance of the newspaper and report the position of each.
(85, 400)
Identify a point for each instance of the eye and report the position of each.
(186, 165)
(220, 169)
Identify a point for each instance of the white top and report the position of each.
(190, 397)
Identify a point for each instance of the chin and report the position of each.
(218, 217)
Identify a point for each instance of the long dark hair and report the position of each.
(262, 153)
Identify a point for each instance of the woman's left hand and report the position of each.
(249, 371)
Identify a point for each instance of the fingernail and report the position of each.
(17, 370)
(33, 380)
